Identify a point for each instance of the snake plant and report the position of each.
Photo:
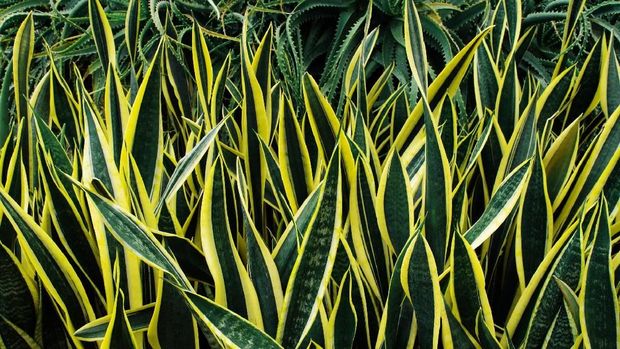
(310, 174)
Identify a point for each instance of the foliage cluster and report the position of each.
(315, 173)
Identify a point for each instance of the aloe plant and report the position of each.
(171, 183)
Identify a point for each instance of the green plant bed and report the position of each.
(321, 174)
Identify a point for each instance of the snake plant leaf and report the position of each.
(203, 69)
(507, 104)
(134, 235)
(560, 159)
(261, 64)
(561, 332)
(98, 152)
(116, 112)
(594, 169)
(367, 239)
(420, 281)
(343, 320)
(512, 10)
(522, 144)
(486, 335)
(528, 322)
(437, 190)
(467, 286)
(139, 320)
(610, 92)
(255, 123)
(50, 144)
(554, 96)
(143, 135)
(17, 300)
(458, 333)
(102, 34)
(22, 57)
(394, 204)
(12, 336)
(232, 329)
(286, 250)
(534, 231)
(307, 284)
(187, 164)
(586, 92)
(414, 45)
(219, 88)
(233, 287)
(190, 258)
(69, 224)
(170, 307)
(261, 267)
(118, 333)
(487, 127)
(398, 327)
(57, 275)
(571, 304)
(64, 205)
(323, 121)
(500, 206)
(293, 156)
(487, 79)
(599, 310)
(366, 318)
(574, 11)
(4, 104)
(446, 83)
(550, 300)
(275, 178)
(132, 26)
